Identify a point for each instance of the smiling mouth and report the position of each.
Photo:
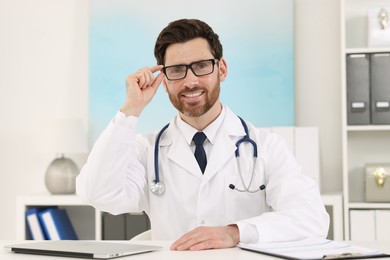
(193, 94)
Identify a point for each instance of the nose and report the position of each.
(191, 80)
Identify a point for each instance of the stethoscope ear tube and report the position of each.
(262, 187)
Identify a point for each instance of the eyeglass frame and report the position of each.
(189, 66)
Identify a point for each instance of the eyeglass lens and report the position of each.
(199, 68)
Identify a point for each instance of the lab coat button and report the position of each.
(202, 222)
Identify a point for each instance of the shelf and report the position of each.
(46, 199)
(89, 220)
(366, 50)
(368, 205)
(361, 144)
(357, 128)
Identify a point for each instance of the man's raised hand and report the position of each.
(141, 86)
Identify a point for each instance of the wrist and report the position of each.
(234, 233)
(130, 111)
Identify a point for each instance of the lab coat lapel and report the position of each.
(224, 146)
(179, 151)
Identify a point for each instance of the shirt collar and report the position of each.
(210, 131)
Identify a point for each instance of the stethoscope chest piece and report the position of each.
(157, 188)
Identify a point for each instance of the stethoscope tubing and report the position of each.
(156, 171)
(158, 187)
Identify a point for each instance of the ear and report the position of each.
(164, 82)
(222, 69)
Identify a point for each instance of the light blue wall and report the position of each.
(257, 36)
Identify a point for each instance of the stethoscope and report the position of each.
(157, 186)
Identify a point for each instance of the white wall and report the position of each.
(317, 81)
(44, 73)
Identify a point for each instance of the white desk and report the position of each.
(166, 254)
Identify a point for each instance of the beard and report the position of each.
(199, 108)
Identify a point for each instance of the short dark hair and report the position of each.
(183, 30)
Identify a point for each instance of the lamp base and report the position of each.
(60, 177)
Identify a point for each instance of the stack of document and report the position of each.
(312, 249)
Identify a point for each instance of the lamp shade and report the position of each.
(63, 135)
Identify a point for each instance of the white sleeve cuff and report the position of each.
(248, 233)
(123, 121)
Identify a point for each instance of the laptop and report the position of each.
(81, 248)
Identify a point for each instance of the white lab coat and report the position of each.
(120, 167)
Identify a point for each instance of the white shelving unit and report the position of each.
(361, 144)
(89, 223)
(86, 220)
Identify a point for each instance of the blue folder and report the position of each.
(34, 224)
(57, 225)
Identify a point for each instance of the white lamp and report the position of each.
(62, 135)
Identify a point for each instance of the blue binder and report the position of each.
(57, 225)
(34, 224)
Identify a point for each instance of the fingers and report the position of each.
(200, 238)
(156, 68)
(187, 240)
(141, 86)
(199, 243)
(145, 76)
(207, 238)
(203, 246)
(157, 81)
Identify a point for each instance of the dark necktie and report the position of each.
(200, 154)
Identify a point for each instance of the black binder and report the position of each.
(358, 89)
(380, 88)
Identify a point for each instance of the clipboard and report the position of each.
(313, 249)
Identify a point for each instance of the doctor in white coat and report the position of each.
(245, 199)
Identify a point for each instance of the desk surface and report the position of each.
(165, 253)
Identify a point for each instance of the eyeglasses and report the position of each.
(199, 68)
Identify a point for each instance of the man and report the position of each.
(213, 205)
